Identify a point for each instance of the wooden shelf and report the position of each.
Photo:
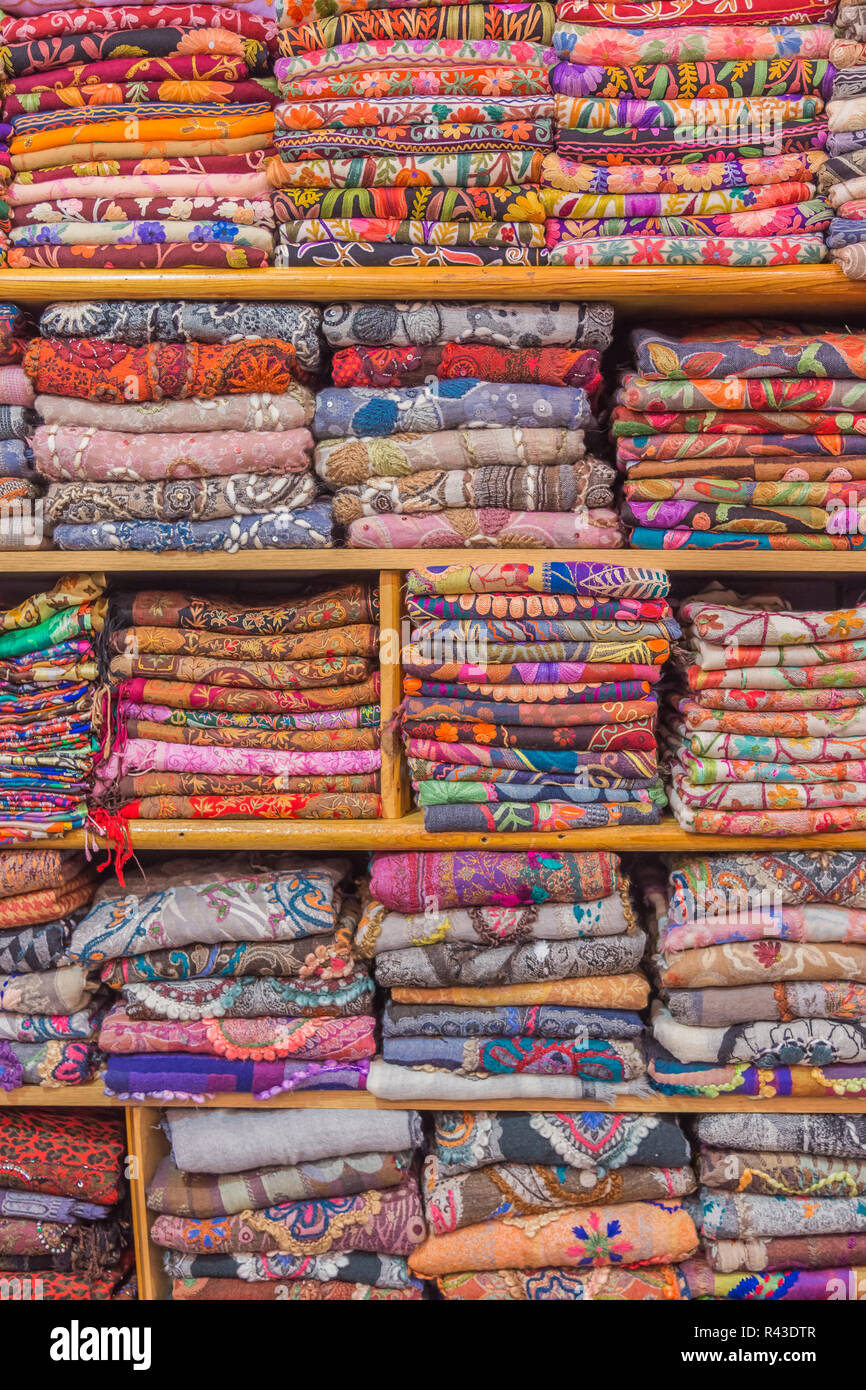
(797, 290)
(408, 833)
(93, 1095)
(702, 562)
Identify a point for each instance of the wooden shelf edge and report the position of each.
(701, 562)
(635, 290)
(408, 833)
(93, 1095)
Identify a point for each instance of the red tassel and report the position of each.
(115, 831)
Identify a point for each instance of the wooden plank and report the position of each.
(51, 1096)
(146, 1145)
(347, 561)
(819, 290)
(395, 801)
(408, 833)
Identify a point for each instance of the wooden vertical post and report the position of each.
(146, 1146)
(395, 785)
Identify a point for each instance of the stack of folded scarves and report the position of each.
(691, 140)
(229, 709)
(766, 731)
(784, 1208)
(64, 1225)
(510, 975)
(464, 424)
(293, 1205)
(556, 1208)
(744, 435)
(22, 520)
(843, 177)
(52, 712)
(139, 135)
(50, 1006)
(412, 136)
(530, 694)
(236, 975)
(178, 426)
(761, 970)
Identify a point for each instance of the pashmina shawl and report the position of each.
(188, 901)
(780, 1174)
(203, 1195)
(212, 1141)
(352, 1266)
(461, 963)
(184, 1077)
(641, 1232)
(408, 882)
(604, 1283)
(63, 1153)
(389, 1222)
(319, 1290)
(523, 325)
(114, 373)
(595, 1142)
(137, 324)
(405, 1084)
(502, 1191)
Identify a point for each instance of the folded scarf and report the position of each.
(193, 900)
(529, 488)
(181, 1076)
(114, 373)
(62, 1153)
(739, 1215)
(488, 169)
(330, 957)
(503, 1191)
(204, 1196)
(624, 991)
(407, 882)
(327, 1039)
(708, 1079)
(512, 203)
(755, 962)
(388, 1222)
(429, 1085)
(379, 1271)
(785, 1252)
(780, 1174)
(552, 1021)
(605, 1283)
(380, 930)
(50, 1064)
(392, 366)
(649, 81)
(640, 1232)
(594, 529)
(306, 528)
(836, 1136)
(784, 1001)
(804, 1042)
(590, 1060)
(358, 411)
(257, 997)
(591, 43)
(461, 963)
(812, 1285)
(87, 503)
(533, 24)
(220, 1290)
